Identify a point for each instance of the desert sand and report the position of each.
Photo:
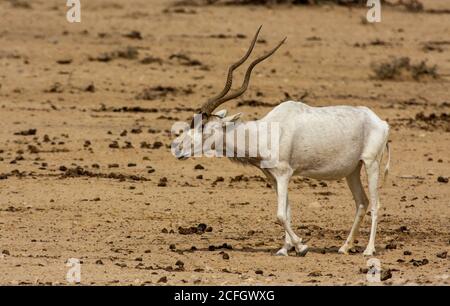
(86, 169)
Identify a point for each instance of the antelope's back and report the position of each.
(321, 142)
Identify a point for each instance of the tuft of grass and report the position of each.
(411, 5)
(20, 4)
(402, 69)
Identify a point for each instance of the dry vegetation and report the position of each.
(402, 69)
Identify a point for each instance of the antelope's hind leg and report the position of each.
(361, 202)
(372, 169)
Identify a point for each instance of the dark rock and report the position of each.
(442, 255)
(163, 279)
(315, 274)
(419, 262)
(442, 179)
(391, 245)
(179, 263)
(162, 182)
(29, 132)
(134, 35)
(385, 275)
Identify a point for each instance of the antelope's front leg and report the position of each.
(284, 216)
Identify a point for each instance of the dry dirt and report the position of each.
(69, 91)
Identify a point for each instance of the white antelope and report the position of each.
(324, 143)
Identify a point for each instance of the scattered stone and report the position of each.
(134, 35)
(419, 262)
(79, 172)
(64, 61)
(385, 275)
(199, 229)
(162, 182)
(157, 144)
(136, 131)
(403, 229)
(29, 132)
(199, 167)
(163, 279)
(391, 245)
(442, 179)
(225, 256)
(315, 274)
(114, 145)
(442, 255)
(55, 88)
(179, 263)
(223, 246)
(183, 59)
(90, 88)
(151, 59)
(218, 179)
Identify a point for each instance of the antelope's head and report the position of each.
(205, 122)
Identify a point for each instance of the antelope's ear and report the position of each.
(221, 114)
(232, 118)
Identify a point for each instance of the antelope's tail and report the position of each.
(388, 163)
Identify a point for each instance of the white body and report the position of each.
(327, 143)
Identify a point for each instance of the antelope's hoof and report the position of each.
(301, 250)
(282, 252)
(344, 249)
(369, 252)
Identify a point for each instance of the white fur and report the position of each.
(328, 143)
(325, 143)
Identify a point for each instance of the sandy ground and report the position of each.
(79, 90)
